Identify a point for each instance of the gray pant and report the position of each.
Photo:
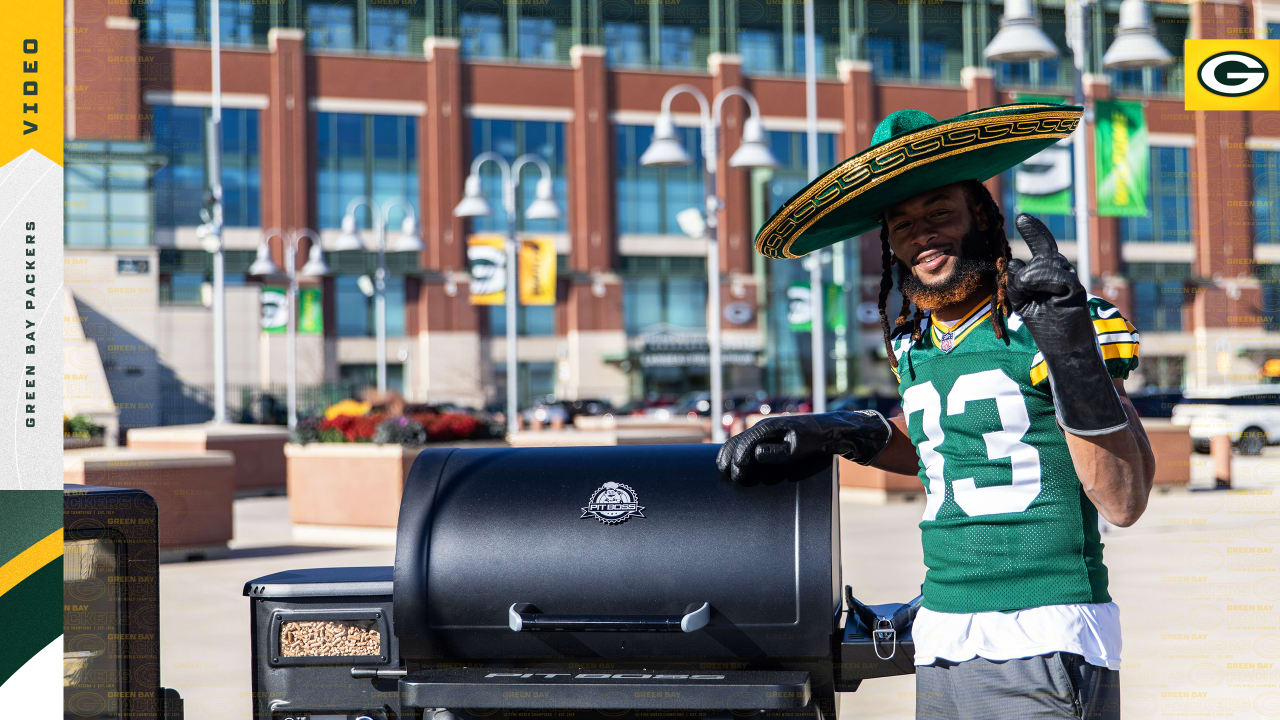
(1056, 685)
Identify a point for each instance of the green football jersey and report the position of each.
(1006, 525)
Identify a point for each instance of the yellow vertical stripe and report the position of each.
(31, 86)
(1039, 373)
(30, 560)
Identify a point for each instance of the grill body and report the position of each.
(483, 530)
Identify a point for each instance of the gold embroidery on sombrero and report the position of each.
(861, 172)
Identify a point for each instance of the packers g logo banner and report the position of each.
(1232, 75)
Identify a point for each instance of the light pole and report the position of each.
(409, 241)
(543, 207)
(263, 266)
(1020, 39)
(665, 151)
(210, 232)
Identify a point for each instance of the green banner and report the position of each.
(275, 310)
(1043, 181)
(310, 311)
(1121, 158)
(799, 312)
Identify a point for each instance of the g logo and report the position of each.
(1232, 73)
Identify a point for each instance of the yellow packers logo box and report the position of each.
(1232, 75)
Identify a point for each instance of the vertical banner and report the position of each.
(487, 258)
(1043, 181)
(35, 315)
(800, 313)
(310, 311)
(537, 271)
(1121, 158)
(275, 310)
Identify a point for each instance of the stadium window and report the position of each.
(648, 198)
(664, 292)
(1168, 218)
(1266, 196)
(888, 45)
(375, 156)
(626, 34)
(686, 35)
(545, 31)
(1158, 292)
(107, 197)
(187, 22)
(941, 47)
(179, 136)
(331, 25)
(511, 139)
(184, 273)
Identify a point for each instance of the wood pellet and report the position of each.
(329, 638)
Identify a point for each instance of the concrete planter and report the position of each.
(258, 449)
(193, 492)
(347, 484)
(1171, 445)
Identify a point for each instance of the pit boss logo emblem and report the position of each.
(613, 503)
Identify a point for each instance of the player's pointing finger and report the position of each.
(1038, 237)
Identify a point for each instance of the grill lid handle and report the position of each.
(525, 617)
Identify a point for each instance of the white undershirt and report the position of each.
(1088, 629)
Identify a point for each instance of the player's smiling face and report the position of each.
(927, 231)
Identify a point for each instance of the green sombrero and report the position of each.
(911, 152)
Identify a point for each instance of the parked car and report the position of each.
(1156, 403)
(1249, 415)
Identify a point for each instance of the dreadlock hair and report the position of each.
(994, 243)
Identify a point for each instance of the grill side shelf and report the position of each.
(523, 688)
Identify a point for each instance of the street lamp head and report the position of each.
(692, 223)
(754, 152)
(543, 206)
(348, 239)
(1135, 45)
(409, 240)
(665, 149)
(473, 203)
(263, 265)
(316, 266)
(1020, 38)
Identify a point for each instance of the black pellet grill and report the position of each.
(584, 582)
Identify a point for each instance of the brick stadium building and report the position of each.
(326, 101)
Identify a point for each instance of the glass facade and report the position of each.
(530, 320)
(626, 32)
(108, 203)
(664, 294)
(186, 22)
(888, 38)
(179, 136)
(648, 198)
(511, 139)
(1266, 196)
(183, 273)
(789, 352)
(770, 37)
(374, 156)
(1159, 292)
(1168, 219)
(1052, 74)
(355, 310)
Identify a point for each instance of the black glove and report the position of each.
(794, 447)
(1054, 306)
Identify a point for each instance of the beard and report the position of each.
(973, 271)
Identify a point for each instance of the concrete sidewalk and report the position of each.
(1197, 581)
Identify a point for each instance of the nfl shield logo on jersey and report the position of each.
(947, 342)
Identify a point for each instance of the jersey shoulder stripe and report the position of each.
(1118, 341)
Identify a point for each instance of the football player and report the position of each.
(1014, 415)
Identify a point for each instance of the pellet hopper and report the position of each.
(601, 582)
